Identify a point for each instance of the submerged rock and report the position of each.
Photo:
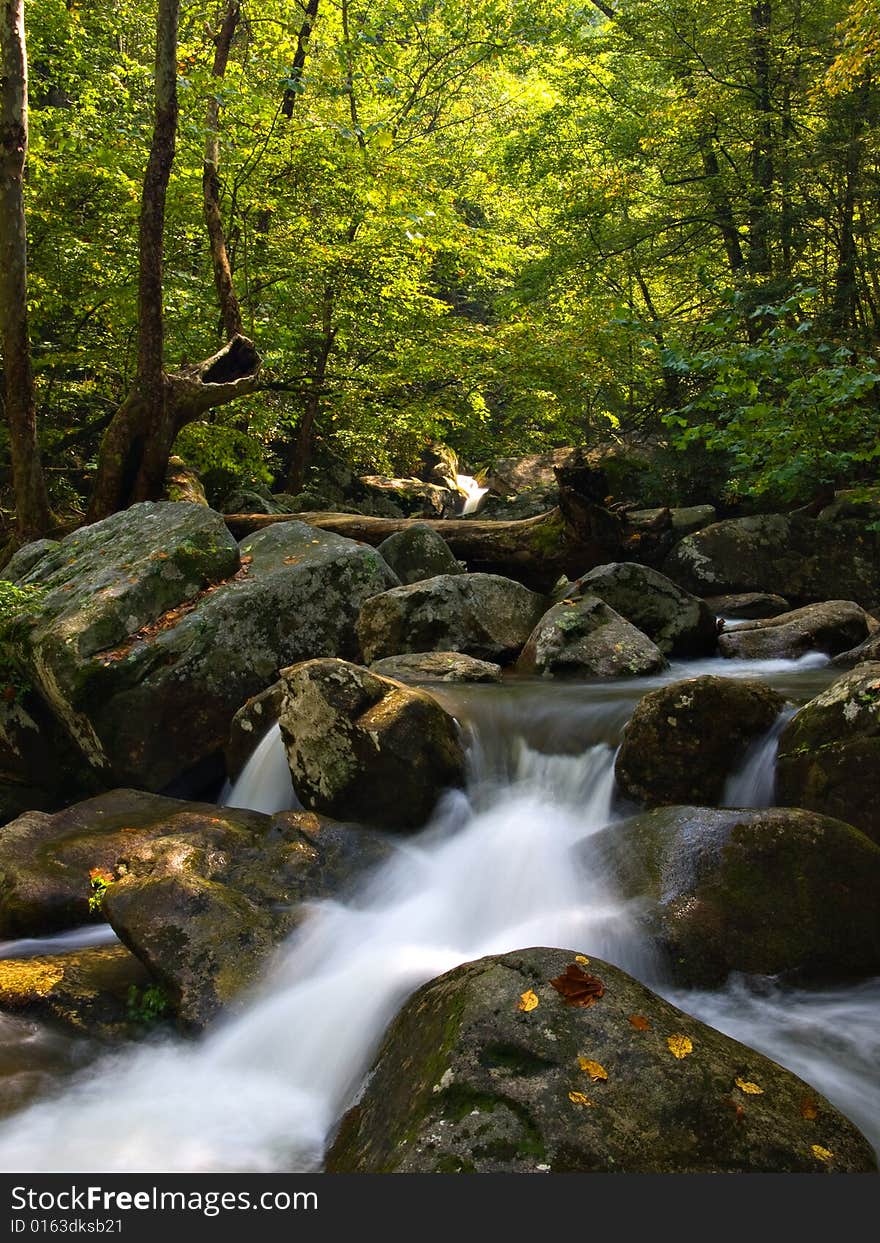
(770, 891)
(415, 667)
(486, 1070)
(586, 638)
(484, 615)
(685, 739)
(829, 753)
(367, 748)
(679, 623)
(831, 627)
(419, 552)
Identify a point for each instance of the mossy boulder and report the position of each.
(586, 638)
(483, 615)
(685, 739)
(680, 624)
(365, 747)
(831, 627)
(801, 558)
(155, 628)
(415, 667)
(419, 552)
(829, 753)
(776, 891)
(470, 1080)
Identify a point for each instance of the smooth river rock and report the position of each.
(831, 627)
(679, 623)
(585, 638)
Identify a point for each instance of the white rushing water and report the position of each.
(504, 867)
(474, 492)
(264, 783)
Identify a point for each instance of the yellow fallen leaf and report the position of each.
(750, 1089)
(593, 1069)
(528, 1001)
(585, 962)
(679, 1046)
(822, 1154)
(578, 1098)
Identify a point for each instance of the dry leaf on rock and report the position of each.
(577, 987)
(679, 1046)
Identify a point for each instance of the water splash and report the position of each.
(264, 783)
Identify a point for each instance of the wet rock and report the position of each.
(768, 892)
(831, 627)
(250, 725)
(685, 739)
(510, 476)
(585, 638)
(748, 605)
(867, 651)
(683, 521)
(483, 615)
(680, 624)
(417, 553)
(829, 753)
(415, 497)
(367, 748)
(467, 1081)
(415, 667)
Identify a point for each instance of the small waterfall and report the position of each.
(264, 784)
(753, 783)
(473, 491)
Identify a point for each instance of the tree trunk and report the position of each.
(229, 308)
(34, 517)
(295, 78)
(301, 454)
(763, 173)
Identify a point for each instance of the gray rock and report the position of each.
(685, 739)
(679, 623)
(416, 498)
(367, 748)
(419, 552)
(249, 725)
(484, 615)
(867, 651)
(467, 1081)
(585, 638)
(684, 521)
(415, 667)
(748, 605)
(832, 627)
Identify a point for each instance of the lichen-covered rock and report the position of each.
(415, 667)
(829, 753)
(419, 552)
(471, 1080)
(683, 521)
(585, 638)
(484, 615)
(685, 739)
(415, 497)
(94, 991)
(367, 748)
(801, 558)
(680, 624)
(767, 892)
(748, 605)
(831, 627)
(249, 725)
(150, 636)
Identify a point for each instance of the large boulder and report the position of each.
(510, 476)
(832, 627)
(415, 497)
(748, 605)
(586, 638)
(679, 623)
(801, 558)
(487, 1070)
(685, 739)
(829, 753)
(683, 521)
(367, 748)
(415, 667)
(418, 552)
(155, 627)
(484, 615)
(768, 892)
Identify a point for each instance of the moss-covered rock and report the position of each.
(685, 739)
(415, 667)
(484, 615)
(680, 624)
(768, 892)
(829, 753)
(832, 627)
(367, 748)
(586, 638)
(419, 552)
(470, 1080)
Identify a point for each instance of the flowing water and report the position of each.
(474, 492)
(503, 866)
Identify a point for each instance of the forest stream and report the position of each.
(505, 864)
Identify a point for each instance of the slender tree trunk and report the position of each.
(845, 297)
(229, 308)
(763, 172)
(301, 454)
(299, 59)
(33, 514)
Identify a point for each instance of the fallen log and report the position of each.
(570, 539)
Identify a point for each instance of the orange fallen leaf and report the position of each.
(578, 1098)
(577, 988)
(750, 1089)
(528, 1001)
(809, 1109)
(822, 1154)
(679, 1046)
(593, 1069)
(640, 1023)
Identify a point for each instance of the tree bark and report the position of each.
(302, 43)
(33, 515)
(229, 308)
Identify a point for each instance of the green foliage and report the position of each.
(17, 607)
(99, 882)
(146, 1005)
